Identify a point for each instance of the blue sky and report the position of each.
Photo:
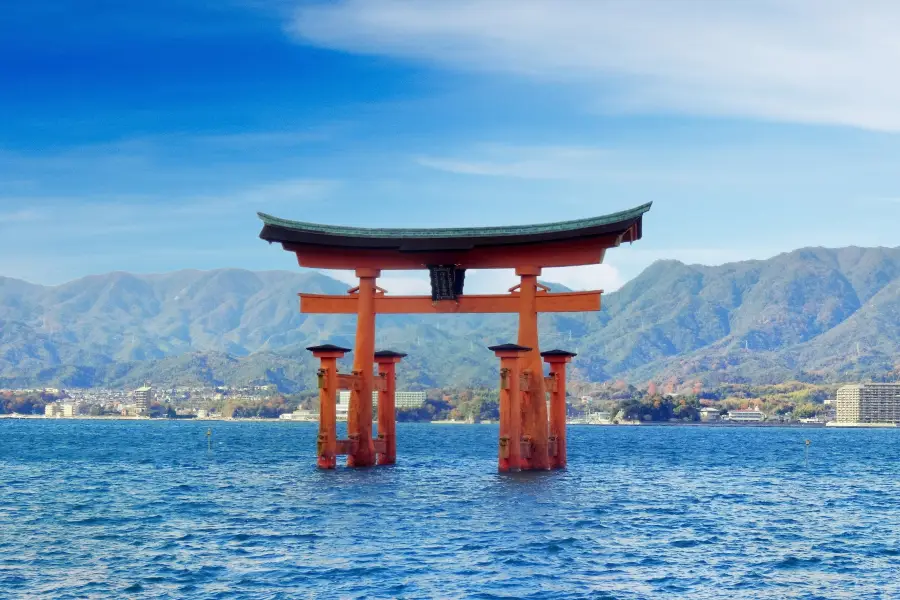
(144, 136)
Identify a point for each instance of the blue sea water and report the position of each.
(138, 509)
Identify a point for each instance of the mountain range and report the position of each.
(814, 314)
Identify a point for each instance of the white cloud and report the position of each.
(80, 217)
(263, 197)
(524, 162)
(813, 61)
(589, 277)
(493, 281)
(397, 283)
(21, 215)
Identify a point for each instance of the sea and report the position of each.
(158, 509)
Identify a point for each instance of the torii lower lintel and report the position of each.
(319, 304)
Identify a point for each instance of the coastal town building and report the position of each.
(749, 415)
(300, 414)
(868, 403)
(401, 399)
(709, 414)
(143, 396)
(409, 399)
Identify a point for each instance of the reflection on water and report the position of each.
(143, 509)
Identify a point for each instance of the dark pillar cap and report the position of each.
(389, 354)
(508, 348)
(558, 353)
(328, 348)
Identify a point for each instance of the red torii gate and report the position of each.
(527, 440)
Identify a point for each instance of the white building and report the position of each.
(401, 400)
(708, 413)
(869, 403)
(53, 409)
(143, 396)
(300, 415)
(409, 399)
(69, 410)
(750, 415)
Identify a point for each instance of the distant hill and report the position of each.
(814, 314)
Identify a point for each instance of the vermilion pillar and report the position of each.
(387, 415)
(534, 415)
(326, 446)
(557, 360)
(359, 416)
(510, 449)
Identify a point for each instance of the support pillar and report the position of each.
(326, 445)
(534, 400)
(557, 360)
(387, 414)
(509, 456)
(359, 416)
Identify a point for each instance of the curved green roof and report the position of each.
(284, 230)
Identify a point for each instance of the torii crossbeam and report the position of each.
(447, 254)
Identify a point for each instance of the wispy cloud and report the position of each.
(791, 60)
(264, 197)
(495, 281)
(523, 162)
(22, 216)
(89, 216)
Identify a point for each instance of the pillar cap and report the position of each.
(557, 356)
(556, 352)
(328, 348)
(509, 348)
(390, 354)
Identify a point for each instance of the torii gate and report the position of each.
(527, 440)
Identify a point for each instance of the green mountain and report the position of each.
(814, 314)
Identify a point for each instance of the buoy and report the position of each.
(806, 453)
(209, 439)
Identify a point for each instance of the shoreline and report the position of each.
(720, 424)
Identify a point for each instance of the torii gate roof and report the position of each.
(334, 246)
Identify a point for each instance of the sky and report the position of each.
(144, 136)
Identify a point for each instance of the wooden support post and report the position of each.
(510, 444)
(323, 304)
(359, 415)
(557, 360)
(326, 446)
(387, 414)
(534, 400)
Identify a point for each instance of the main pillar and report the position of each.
(387, 414)
(359, 415)
(534, 410)
(326, 445)
(509, 457)
(557, 360)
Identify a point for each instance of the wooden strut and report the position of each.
(323, 304)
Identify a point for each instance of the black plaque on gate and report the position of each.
(446, 282)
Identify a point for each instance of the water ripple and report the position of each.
(144, 510)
